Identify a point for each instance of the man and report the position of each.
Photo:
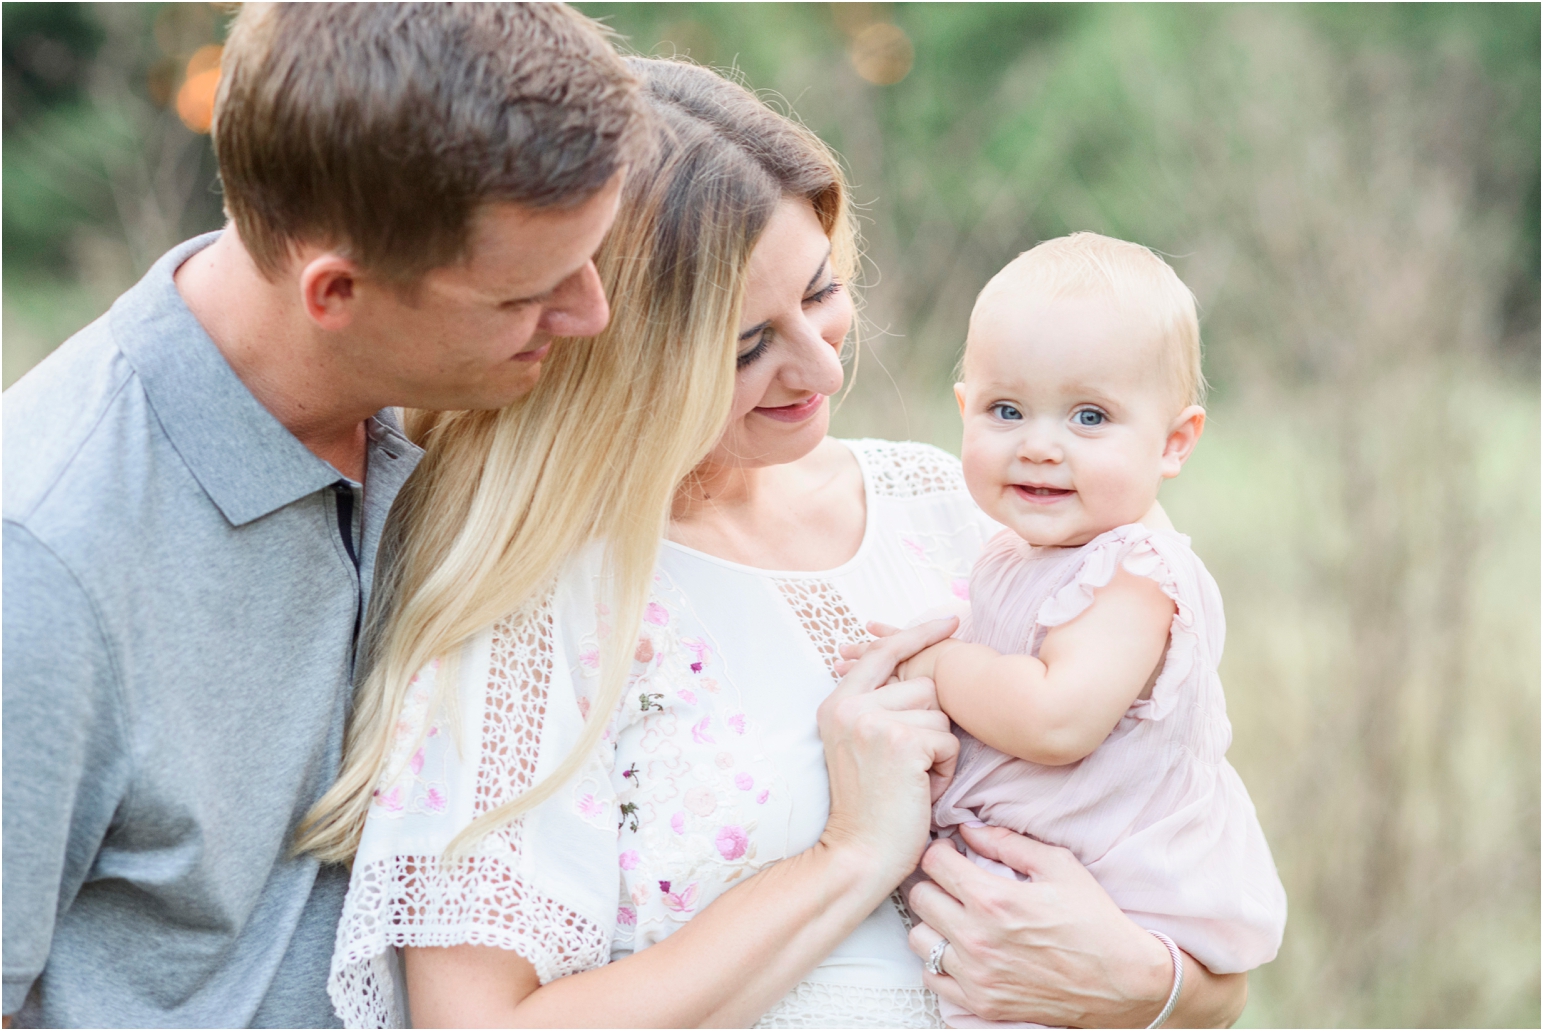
(195, 485)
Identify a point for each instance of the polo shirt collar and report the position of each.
(243, 458)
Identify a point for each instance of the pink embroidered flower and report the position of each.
(762, 797)
(744, 781)
(645, 651)
(628, 859)
(961, 589)
(602, 609)
(701, 801)
(699, 732)
(916, 550)
(731, 842)
(640, 894)
(709, 684)
(416, 762)
(390, 801)
(679, 901)
(590, 659)
(686, 695)
(725, 760)
(678, 822)
(589, 806)
(696, 667)
(626, 916)
(698, 647)
(656, 614)
(584, 707)
(433, 731)
(602, 630)
(434, 800)
(737, 723)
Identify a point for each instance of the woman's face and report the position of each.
(796, 315)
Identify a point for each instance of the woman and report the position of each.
(764, 818)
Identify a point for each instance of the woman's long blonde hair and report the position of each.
(502, 500)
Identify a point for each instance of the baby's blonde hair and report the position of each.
(1084, 264)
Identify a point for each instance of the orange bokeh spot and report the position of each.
(195, 100)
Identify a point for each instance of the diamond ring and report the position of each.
(935, 958)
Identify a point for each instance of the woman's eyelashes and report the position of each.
(746, 357)
(763, 335)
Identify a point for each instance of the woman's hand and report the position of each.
(1053, 950)
(884, 743)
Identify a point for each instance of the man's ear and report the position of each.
(1183, 435)
(959, 396)
(328, 288)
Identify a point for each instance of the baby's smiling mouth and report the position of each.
(1040, 495)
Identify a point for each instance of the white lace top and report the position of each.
(712, 768)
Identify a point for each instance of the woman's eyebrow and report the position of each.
(753, 330)
(818, 272)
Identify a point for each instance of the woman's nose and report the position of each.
(577, 308)
(816, 364)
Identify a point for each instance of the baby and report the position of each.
(1084, 679)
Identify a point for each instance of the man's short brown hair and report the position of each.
(380, 128)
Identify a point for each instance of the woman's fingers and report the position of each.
(880, 660)
(923, 939)
(907, 694)
(878, 629)
(1029, 857)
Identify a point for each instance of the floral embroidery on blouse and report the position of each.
(687, 791)
(415, 781)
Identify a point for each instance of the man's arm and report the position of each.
(1054, 950)
(65, 756)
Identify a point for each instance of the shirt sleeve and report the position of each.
(65, 765)
(545, 885)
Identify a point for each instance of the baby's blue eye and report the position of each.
(1006, 411)
(1089, 417)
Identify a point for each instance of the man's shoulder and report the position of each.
(53, 412)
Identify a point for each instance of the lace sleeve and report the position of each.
(544, 886)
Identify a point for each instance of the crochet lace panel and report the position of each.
(813, 1004)
(418, 900)
(826, 617)
(906, 469)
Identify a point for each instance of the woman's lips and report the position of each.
(536, 355)
(794, 413)
(1041, 495)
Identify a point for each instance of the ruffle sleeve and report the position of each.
(545, 885)
(1165, 559)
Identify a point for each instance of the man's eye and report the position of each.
(1006, 411)
(1089, 417)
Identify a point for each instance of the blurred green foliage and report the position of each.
(1353, 193)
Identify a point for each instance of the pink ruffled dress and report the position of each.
(1155, 813)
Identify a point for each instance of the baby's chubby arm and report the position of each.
(1059, 707)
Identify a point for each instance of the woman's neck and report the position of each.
(805, 515)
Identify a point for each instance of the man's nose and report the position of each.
(577, 307)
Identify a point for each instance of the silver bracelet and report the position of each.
(1178, 979)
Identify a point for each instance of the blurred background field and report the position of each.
(1353, 194)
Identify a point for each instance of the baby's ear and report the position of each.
(1183, 435)
(959, 396)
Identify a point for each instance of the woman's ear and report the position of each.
(1183, 435)
(328, 287)
(959, 396)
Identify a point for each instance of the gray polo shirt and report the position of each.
(182, 580)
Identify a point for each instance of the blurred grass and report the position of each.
(1352, 192)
